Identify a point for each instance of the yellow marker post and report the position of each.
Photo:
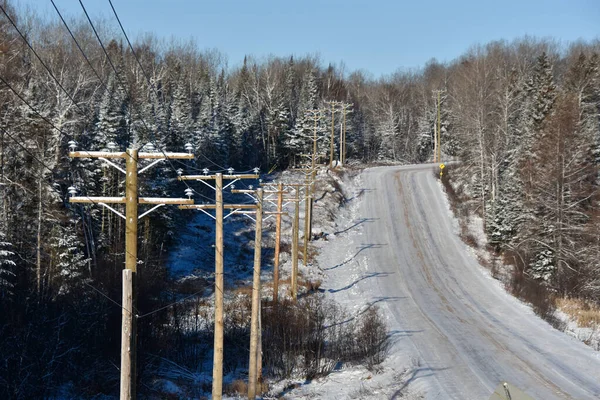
(442, 166)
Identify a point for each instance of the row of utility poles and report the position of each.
(344, 108)
(285, 193)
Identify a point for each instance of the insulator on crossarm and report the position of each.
(205, 171)
(188, 147)
(179, 171)
(72, 190)
(256, 170)
(150, 147)
(111, 146)
(189, 193)
(230, 170)
(72, 145)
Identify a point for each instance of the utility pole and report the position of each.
(307, 217)
(256, 294)
(218, 206)
(439, 129)
(255, 361)
(295, 224)
(333, 105)
(314, 115)
(332, 134)
(277, 242)
(346, 109)
(131, 201)
(282, 189)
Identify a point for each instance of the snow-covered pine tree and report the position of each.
(297, 140)
(181, 121)
(112, 123)
(7, 267)
(68, 269)
(425, 134)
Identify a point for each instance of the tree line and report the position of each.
(522, 117)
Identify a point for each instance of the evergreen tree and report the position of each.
(7, 267)
(68, 259)
(112, 123)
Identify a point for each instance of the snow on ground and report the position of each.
(335, 222)
(474, 227)
(393, 379)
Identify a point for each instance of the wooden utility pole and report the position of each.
(346, 108)
(281, 189)
(129, 326)
(315, 115)
(217, 387)
(255, 361)
(127, 389)
(131, 201)
(295, 224)
(277, 242)
(256, 293)
(332, 134)
(439, 129)
(307, 212)
(333, 104)
(435, 142)
(218, 206)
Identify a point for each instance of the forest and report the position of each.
(521, 118)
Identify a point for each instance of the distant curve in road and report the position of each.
(468, 333)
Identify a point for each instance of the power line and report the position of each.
(41, 61)
(131, 47)
(169, 305)
(124, 88)
(33, 109)
(78, 46)
(151, 85)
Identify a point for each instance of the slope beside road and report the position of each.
(462, 333)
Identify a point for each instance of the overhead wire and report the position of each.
(71, 97)
(146, 75)
(41, 61)
(78, 45)
(169, 161)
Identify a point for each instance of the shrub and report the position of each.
(314, 335)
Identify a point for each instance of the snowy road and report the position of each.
(464, 333)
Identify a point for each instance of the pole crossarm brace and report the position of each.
(113, 210)
(112, 164)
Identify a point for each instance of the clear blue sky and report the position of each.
(379, 36)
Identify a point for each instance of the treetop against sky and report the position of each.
(379, 36)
